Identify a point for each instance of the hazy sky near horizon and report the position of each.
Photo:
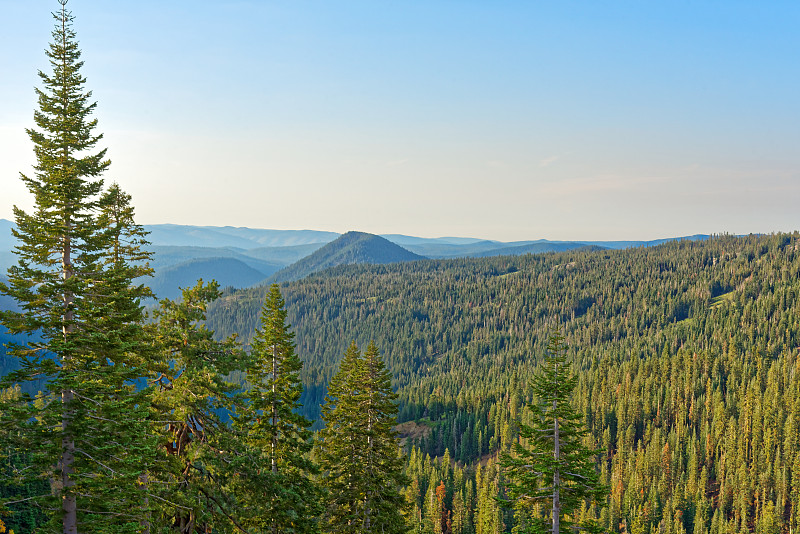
(506, 120)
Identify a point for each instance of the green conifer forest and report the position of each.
(652, 390)
(685, 355)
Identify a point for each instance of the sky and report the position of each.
(505, 120)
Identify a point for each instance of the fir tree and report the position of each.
(192, 396)
(550, 464)
(275, 488)
(359, 450)
(74, 283)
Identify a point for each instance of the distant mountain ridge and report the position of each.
(249, 239)
(483, 249)
(537, 248)
(350, 248)
(164, 257)
(181, 252)
(226, 271)
(181, 266)
(231, 236)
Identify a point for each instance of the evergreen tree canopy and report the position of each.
(275, 490)
(358, 448)
(78, 253)
(191, 401)
(550, 463)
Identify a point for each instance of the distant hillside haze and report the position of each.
(282, 255)
(241, 257)
(249, 240)
(6, 302)
(351, 248)
(176, 265)
(404, 240)
(229, 236)
(536, 248)
(164, 257)
(7, 259)
(7, 240)
(483, 249)
(226, 271)
(444, 250)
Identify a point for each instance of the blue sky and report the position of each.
(504, 120)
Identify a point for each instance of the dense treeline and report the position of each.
(707, 332)
(208, 455)
(493, 313)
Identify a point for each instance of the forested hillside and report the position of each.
(350, 248)
(689, 373)
(536, 248)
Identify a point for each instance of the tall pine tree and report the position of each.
(358, 449)
(551, 474)
(74, 283)
(275, 489)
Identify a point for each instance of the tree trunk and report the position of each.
(274, 422)
(367, 507)
(69, 504)
(274, 410)
(143, 480)
(556, 477)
